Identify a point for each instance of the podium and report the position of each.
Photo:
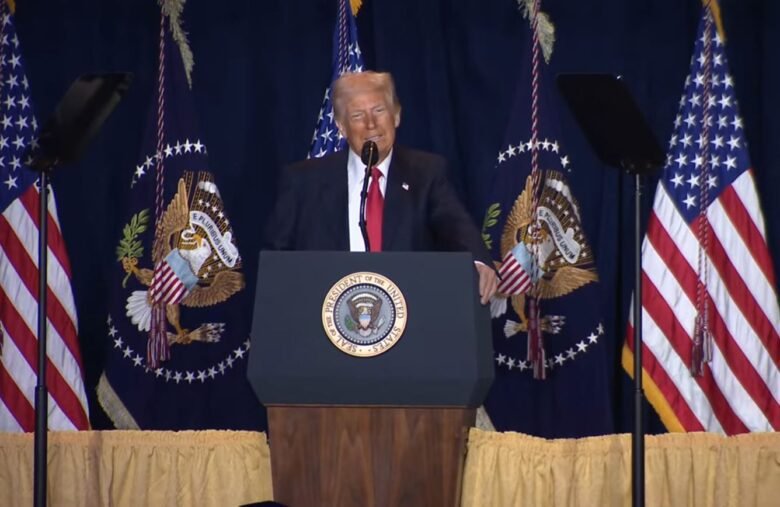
(371, 367)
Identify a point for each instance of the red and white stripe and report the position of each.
(166, 287)
(740, 389)
(18, 318)
(514, 278)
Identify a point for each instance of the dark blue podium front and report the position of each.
(443, 358)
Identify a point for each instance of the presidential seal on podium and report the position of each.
(364, 314)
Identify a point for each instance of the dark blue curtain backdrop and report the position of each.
(261, 68)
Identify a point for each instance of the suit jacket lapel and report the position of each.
(396, 202)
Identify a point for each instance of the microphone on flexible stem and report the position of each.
(369, 155)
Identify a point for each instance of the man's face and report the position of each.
(369, 116)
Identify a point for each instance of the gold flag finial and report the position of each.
(715, 10)
(11, 5)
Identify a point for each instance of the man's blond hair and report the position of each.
(352, 83)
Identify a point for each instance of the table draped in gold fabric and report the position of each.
(681, 469)
(230, 468)
(140, 468)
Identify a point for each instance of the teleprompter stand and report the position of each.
(618, 133)
(63, 139)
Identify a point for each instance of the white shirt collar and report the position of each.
(357, 169)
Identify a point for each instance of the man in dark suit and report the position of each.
(410, 204)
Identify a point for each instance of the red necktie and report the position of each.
(375, 204)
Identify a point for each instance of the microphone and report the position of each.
(369, 155)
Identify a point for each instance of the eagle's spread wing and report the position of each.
(519, 217)
(353, 311)
(225, 284)
(565, 280)
(375, 311)
(175, 219)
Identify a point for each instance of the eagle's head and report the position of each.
(194, 248)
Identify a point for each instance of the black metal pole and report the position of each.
(80, 113)
(638, 435)
(41, 393)
(362, 218)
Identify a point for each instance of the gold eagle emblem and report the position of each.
(198, 230)
(364, 309)
(564, 260)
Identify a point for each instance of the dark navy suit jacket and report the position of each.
(422, 211)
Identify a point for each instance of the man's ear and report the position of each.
(398, 118)
(341, 129)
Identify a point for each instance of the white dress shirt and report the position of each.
(356, 171)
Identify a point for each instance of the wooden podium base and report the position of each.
(368, 456)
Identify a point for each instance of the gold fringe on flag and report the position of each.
(355, 4)
(715, 9)
(173, 9)
(11, 5)
(545, 27)
(113, 406)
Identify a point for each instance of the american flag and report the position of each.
(19, 269)
(346, 58)
(705, 259)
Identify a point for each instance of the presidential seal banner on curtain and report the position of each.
(550, 352)
(177, 332)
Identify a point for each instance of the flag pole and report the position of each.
(76, 120)
(41, 391)
(638, 433)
